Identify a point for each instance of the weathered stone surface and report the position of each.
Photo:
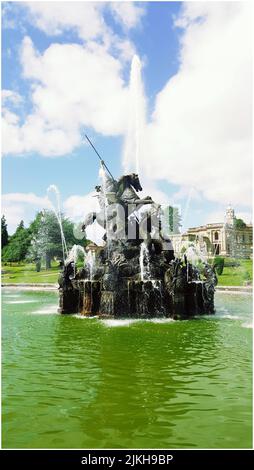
(119, 291)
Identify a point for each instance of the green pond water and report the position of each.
(70, 382)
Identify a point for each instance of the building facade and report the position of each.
(225, 239)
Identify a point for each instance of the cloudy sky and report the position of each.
(66, 71)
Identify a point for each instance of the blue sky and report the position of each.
(167, 36)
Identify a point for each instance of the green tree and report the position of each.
(4, 232)
(18, 245)
(239, 224)
(35, 224)
(46, 242)
(218, 264)
(33, 231)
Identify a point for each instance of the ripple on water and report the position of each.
(111, 322)
(142, 386)
(21, 301)
(11, 296)
(219, 316)
(84, 317)
(247, 325)
(161, 320)
(47, 310)
(229, 316)
(127, 321)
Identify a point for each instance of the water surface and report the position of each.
(70, 382)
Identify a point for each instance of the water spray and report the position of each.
(57, 212)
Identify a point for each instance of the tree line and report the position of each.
(40, 242)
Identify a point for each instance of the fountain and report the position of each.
(57, 211)
(135, 273)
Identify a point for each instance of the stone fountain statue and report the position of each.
(135, 274)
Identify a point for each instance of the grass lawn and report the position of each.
(238, 275)
(25, 273)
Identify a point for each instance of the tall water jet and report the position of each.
(57, 211)
(137, 118)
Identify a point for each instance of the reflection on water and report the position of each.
(85, 384)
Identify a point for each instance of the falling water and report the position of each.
(144, 262)
(74, 252)
(57, 212)
(73, 255)
(137, 119)
(195, 254)
(90, 262)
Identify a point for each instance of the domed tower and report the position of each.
(230, 215)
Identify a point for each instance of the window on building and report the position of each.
(216, 236)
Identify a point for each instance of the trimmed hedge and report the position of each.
(218, 264)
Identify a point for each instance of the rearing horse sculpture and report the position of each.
(121, 192)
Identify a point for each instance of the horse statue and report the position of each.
(112, 192)
(139, 217)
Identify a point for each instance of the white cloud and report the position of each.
(128, 14)
(54, 18)
(73, 86)
(29, 198)
(12, 97)
(77, 207)
(150, 189)
(200, 133)
(246, 216)
(78, 85)
(22, 206)
(8, 20)
(85, 18)
(186, 192)
(220, 216)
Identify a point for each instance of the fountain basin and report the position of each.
(135, 299)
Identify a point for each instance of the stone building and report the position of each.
(224, 238)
